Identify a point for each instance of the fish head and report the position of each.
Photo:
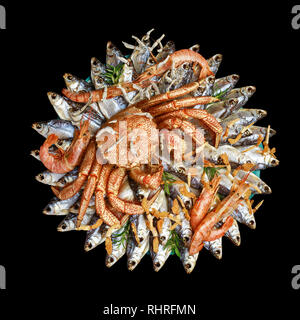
(54, 98)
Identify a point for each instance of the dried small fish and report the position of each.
(58, 207)
(188, 261)
(75, 84)
(222, 86)
(136, 253)
(69, 222)
(113, 54)
(160, 258)
(62, 128)
(242, 215)
(95, 237)
(61, 105)
(49, 178)
(233, 234)
(214, 247)
(118, 247)
(244, 117)
(262, 160)
(214, 62)
(97, 69)
(67, 178)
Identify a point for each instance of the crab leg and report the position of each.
(71, 189)
(159, 98)
(114, 183)
(181, 103)
(101, 208)
(175, 123)
(149, 181)
(206, 120)
(88, 190)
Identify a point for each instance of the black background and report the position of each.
(48, 273)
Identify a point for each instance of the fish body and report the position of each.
(58, 207)
(49, 178)
(64, 129)
(223, 85)
(95, 237)
(188, 261)
(118, 247)
(214, 62)
(214, 247)
(135, 253)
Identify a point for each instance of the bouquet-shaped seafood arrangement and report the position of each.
(153, 153)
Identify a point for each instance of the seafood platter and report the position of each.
(154, 154)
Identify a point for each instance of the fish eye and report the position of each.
(60, 143)
(38, 126)
(218, 252)
(187, 204)
(37, 152)
(186, 239)
(95, 62)
(157, 264)
(162, 238)
(211, 79)
(76, 206)
(111, 259)
(41, 176)
(232, 102)
(48, 209)
(53, 96)
(90, 246)
(132, 263)
(188, 266)
(273, 162)
(64, 226)
(251, 222)
(238, 238)
(185, 66)
(141, 239)
(218, 58)
(70, 77)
